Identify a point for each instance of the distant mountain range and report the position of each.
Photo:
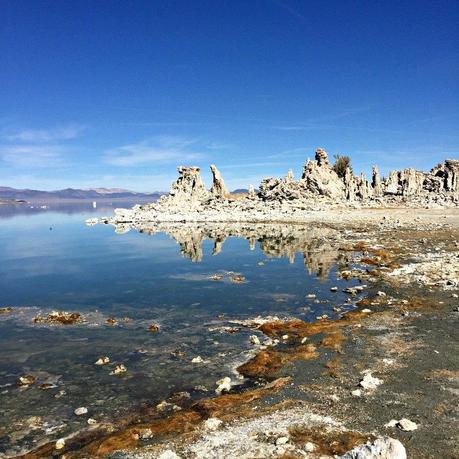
(7, 193)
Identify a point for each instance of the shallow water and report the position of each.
(52, 261)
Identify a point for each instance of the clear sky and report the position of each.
(118, 93)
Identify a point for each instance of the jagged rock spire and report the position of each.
(218, 187)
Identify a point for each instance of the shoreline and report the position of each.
(392, 316)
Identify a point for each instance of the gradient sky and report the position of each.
(118, 93)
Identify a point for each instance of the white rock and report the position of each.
(223, 384)
(381, 448)
(406, 425)
(91, 421)
(381, 293)
(254, 340)
(369, 382)
(60, 443)
(197, 359)
(281, 441)
(119, 369)
(309, 447)
(168, 454)
(356, 393)
(102, 361)
(212, 424)
(81, 410)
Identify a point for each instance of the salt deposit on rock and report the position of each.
(381, 448)
(286, 199)
(369, 382)
(223, 384)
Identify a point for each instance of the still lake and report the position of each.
(50, 260)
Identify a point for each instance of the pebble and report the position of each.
(212, 424)
(223, 384)
(403, 424)
(309, 447)
(81, 410)
(197, 359)
(333, 289)
(406, 425)
(356, 393)
(26, 380)
(381, 293)
(60, 443)
(281, 441)
(168, 454)
(102, 361)
(369, 382)
(254, 340)
(119, 369)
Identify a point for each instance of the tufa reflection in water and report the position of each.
(318, 245)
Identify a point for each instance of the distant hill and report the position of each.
(74, 193)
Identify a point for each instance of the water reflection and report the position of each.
(317, 245)
(140, 278)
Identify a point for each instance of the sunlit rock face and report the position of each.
(446, 175)
(286, 199)
(218, 186)
(188, 187)
(321, 179)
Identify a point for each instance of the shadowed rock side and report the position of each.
(317, 245)
(286, 199)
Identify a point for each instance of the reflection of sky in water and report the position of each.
(145, 278)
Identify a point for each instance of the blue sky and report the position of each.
(117, 94)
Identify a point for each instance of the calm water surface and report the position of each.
(51, 261)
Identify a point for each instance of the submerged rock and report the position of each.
(26, 380)
(60, 318)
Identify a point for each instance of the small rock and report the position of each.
(145, 434)
(81, 410)
(369, 382)
(91, 421)
(197, 359)
(311, 295)
(168, 454)
(366, 311)
(254, 340)
(309, 447)
(26, 380)
(154, 328)
(406, 425)
(332, 289)
(60, 443)
(223, 384)
(281, 441)
(285, 337)
(102, 361)
(381, 293)
(212, 424)
(119, 369)
(381, 448)
(356, 393)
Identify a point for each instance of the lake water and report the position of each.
(50, 260)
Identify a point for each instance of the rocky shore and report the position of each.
(320, 188)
